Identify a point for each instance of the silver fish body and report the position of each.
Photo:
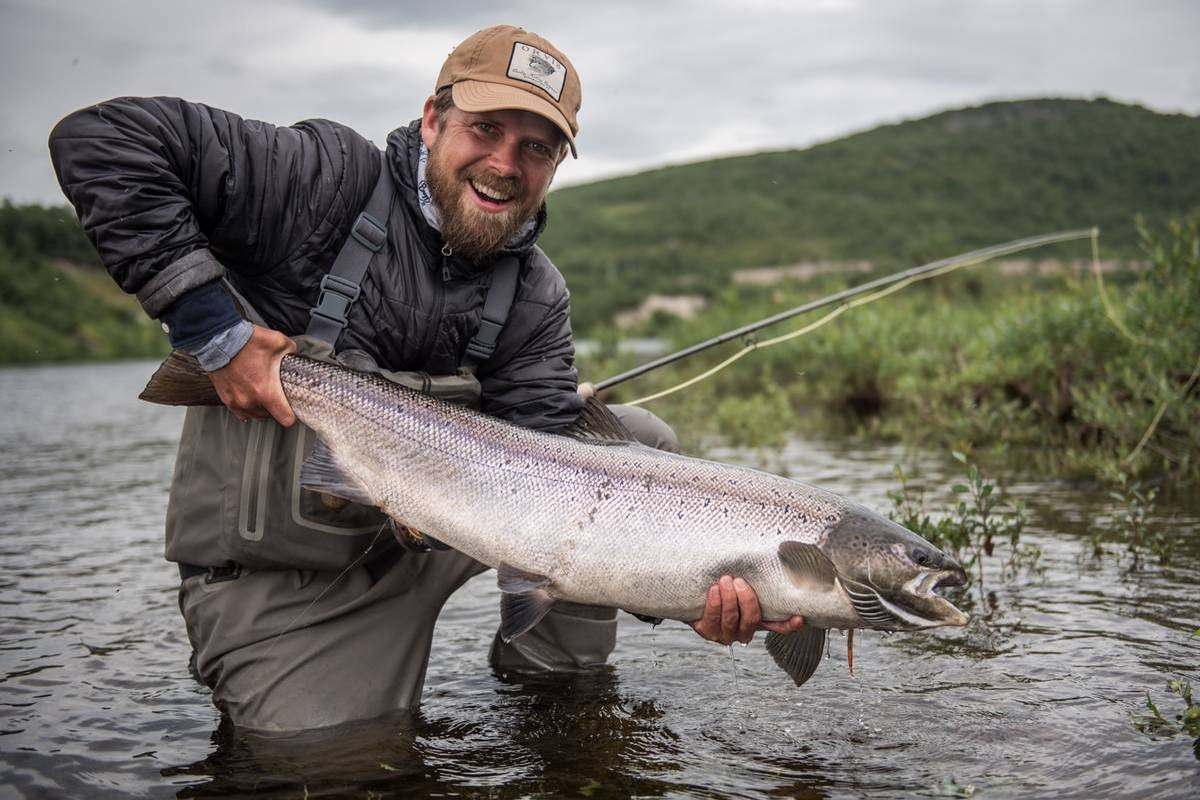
(593, 518)
(609, 524)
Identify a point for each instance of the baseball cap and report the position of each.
(508, 67)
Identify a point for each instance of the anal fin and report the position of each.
(798, 653)
(524, 600)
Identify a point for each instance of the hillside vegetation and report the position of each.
(1036, 370)
(896, 195)
(56, 303)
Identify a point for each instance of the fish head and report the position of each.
(889, 574)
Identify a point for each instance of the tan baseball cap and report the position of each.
(508, 67)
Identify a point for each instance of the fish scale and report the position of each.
(622, 525)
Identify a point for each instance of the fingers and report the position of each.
(709, 624)
(586, 390)
(749, 614)
(274, 401)
(729, 610)
(732, 613)
(249, 384)
(790, 625)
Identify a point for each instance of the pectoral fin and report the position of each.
(807, 564)
(321, 472)
(524, 600)
(799, 653)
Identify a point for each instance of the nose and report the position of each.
(504, 158)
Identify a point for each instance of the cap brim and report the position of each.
(482, 96)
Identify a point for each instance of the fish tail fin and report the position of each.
(179, 381)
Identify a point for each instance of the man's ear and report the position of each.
(430, 123)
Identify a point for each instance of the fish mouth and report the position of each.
(918, 605)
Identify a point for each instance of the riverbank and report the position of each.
(1035, 369)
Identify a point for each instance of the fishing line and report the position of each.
(925, 272)
(303, 613)
(1162, 409)
(1119, 324)
(1111, 312)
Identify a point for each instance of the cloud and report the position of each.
(663, 82)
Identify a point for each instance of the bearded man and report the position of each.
(237, 235)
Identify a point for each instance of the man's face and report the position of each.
(488, 173)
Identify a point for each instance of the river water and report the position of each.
(1033, 699)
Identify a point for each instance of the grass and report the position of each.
(1032, 369)
(1154, 723)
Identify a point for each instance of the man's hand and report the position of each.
(732, 614)
(586, 390)
(249, 384)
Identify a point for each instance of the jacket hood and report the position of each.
(403, 150)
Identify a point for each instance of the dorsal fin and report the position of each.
(598, 425)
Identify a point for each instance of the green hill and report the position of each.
(896, 195)
(56, 303)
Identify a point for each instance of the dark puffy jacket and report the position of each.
(176, 194)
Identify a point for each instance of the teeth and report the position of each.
(488, 194)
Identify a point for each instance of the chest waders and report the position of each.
(235, 497)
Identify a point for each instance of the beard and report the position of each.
(472, 233)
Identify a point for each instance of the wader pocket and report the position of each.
(278, 523)
(236, 496)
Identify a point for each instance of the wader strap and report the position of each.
(340, 288)
(496, 306)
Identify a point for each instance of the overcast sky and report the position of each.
(663, 82)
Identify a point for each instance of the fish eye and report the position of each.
(921, 556)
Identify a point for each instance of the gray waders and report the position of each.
(305, 613)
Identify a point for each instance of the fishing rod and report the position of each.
(964, 259)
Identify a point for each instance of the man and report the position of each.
(303, 612)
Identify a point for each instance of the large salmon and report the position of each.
(591, 517)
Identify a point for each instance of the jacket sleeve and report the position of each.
(172, 192)
(536, 386)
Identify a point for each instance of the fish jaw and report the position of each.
(917, 606)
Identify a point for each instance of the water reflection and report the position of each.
(348, 760)
(1032, 699)
(560, 735)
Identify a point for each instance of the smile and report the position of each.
(490, 196)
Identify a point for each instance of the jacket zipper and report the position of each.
(447, 251)
(439, 303)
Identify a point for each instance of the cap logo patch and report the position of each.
(531, 65)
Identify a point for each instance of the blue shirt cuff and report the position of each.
(221, 349)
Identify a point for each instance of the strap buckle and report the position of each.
(337, 295)
(483, 343)
(369, 232)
